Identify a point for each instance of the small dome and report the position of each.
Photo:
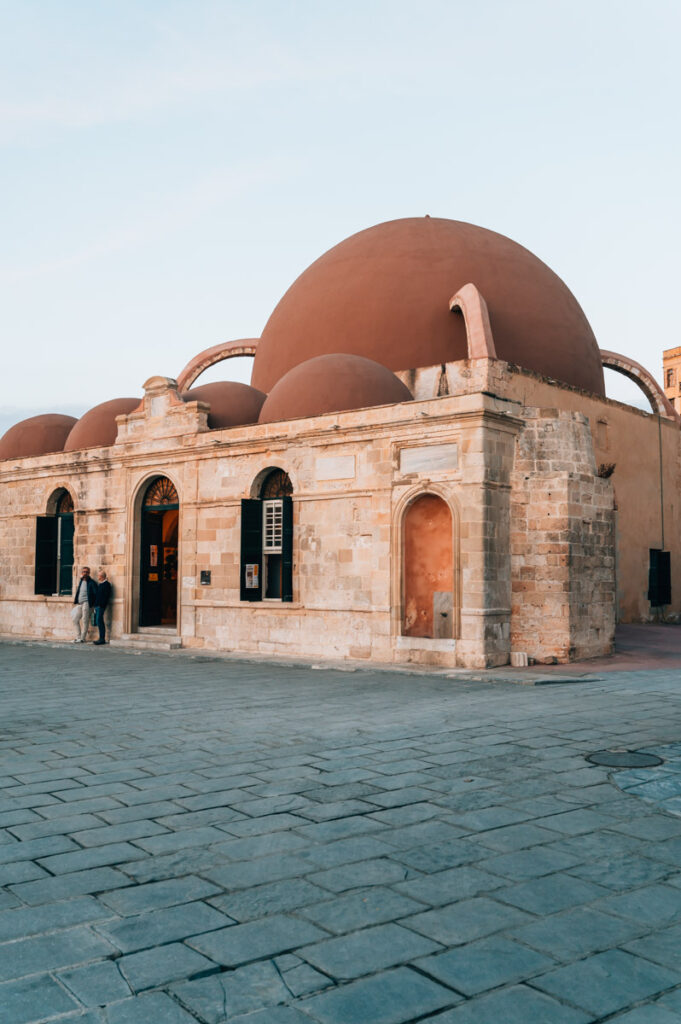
(38, 435)
(231, 404)
(97, 428)
(384, 293)
(333, 383)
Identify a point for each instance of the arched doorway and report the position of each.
(428, 576)
(158, 562)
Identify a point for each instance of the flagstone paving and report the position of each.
(192, 839)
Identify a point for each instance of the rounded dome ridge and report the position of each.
(337, 382)
(384, 294)
(232, 404)
(37, 435)
(96, 428)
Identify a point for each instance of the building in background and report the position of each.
(671, 376)
(424, 468)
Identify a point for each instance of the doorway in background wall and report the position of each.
(158, 562)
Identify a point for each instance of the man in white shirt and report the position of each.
(83, 599)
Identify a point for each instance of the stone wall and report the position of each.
(353, 476)
(562, 542)
(640, 449)
(531, 525)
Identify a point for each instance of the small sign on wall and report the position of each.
(205, 577)
(429, 458)
(338, 467)
(153, 554)
(252, 576)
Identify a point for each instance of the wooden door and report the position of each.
(152, 568)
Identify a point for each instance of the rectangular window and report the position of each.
(272, 529)
(670, 378)
(272, 526)
(659, 578)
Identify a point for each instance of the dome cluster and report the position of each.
(38, 435)
(374, 304)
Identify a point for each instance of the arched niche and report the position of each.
(470, 304)
(428, 545)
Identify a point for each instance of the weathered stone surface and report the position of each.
(500, 897)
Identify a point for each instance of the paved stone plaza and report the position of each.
(194, 839)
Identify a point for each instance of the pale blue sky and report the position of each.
(168, 168)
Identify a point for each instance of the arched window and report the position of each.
(161, 492)
(276, 485)
(54, 547)
(267, 541)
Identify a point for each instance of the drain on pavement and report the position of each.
(624, 759)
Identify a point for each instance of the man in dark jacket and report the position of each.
(83, 600)
(101, 602)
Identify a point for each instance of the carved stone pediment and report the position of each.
(162, 413)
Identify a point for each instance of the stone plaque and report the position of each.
(335, 467)
(443, 614)
(429, 458)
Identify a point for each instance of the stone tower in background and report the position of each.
(671, 374)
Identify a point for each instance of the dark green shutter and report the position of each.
(251, 545)
(287, 549)
(652, 576)
(66, 555)
(45, 555)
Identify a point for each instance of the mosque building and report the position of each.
(425, 468)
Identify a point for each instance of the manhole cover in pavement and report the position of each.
(624, 759)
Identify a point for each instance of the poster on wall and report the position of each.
(153, 554)
(252, 576)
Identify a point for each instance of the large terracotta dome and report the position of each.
(38, 435)
(97, 427)
(232, 404)
(384, 294)
(333, 383)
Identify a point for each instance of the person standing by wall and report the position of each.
(83, 600)
(101, 603)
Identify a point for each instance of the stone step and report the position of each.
(161, 641)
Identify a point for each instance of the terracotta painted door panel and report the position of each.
(428, 569)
